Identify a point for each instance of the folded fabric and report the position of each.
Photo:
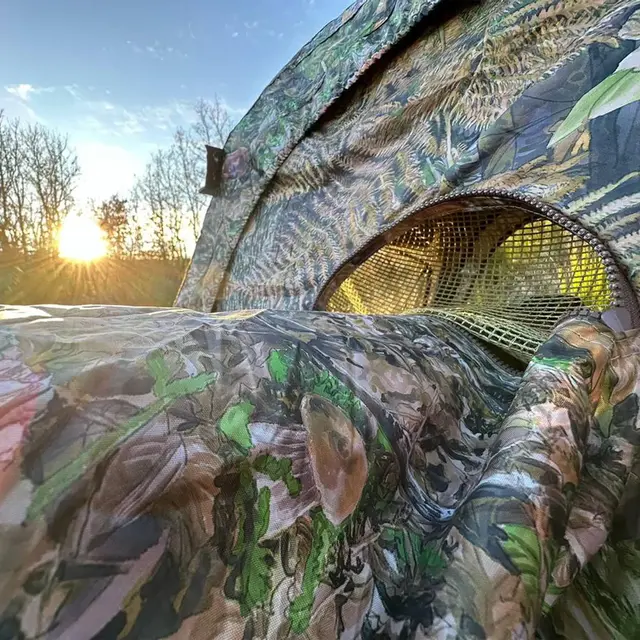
(172, 474)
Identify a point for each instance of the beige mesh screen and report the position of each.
(505, 274)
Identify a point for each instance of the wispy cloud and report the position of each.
(108, 118)
(187, 33)
(25, 91)
(13, 108)
(21, 91)
(101, 117)
(157, 50)
(247, 28)
(234, 111)
(17, 101)
(73, 90)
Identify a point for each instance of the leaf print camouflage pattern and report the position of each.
(172, 474)
(538, 98)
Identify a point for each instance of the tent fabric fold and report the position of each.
(172, 474)
(301, 93)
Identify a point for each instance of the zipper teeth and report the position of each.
(621, 292)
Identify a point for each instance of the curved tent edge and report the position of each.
(291, 104)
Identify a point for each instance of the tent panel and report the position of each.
(455, 110)
(283, 114)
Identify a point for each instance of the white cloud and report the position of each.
(157, 50)
(21, 91)
(128, 123)
(235, 112)
(235, 34)
(17, 101)
(93, 124)
(107, 118)
(25, 91)
(74, 91)
(13, 108)
(153, 121)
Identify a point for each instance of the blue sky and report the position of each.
(118, 76)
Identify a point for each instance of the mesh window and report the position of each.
(503, 272)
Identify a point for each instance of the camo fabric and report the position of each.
(303, 91)
(539, 98)
(263, 474)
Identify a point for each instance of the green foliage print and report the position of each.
(234, 424)
(166, 390)
(309, 380)
(414, 555)
(278, 365)
(253, 561)
(523, 548)
(325, 536)
(278, 469)
(614, 92)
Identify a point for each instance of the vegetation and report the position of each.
(53, 280)
(147, 231)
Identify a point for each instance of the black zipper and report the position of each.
(622, 293)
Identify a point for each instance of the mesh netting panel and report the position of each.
(507, 276)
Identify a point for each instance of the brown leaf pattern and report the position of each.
(305, 474)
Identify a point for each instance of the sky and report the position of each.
(119, 76)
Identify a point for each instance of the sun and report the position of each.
(81, 240)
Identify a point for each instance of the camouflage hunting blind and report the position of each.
(477, 161)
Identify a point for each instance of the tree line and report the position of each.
(39, 172)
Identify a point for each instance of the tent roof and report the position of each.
(505, 96)
(314, 79)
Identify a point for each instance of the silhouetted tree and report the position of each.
(169, 189)
(38, 174)
(113, 217)
(52, 169)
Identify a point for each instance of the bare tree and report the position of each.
(213, 122)
(14, 189)
(38, 171)
(52, 173)
(21, 194)
(190, 166)
(6, 177)
(113, 217)
(169, 188)
(156, 195)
